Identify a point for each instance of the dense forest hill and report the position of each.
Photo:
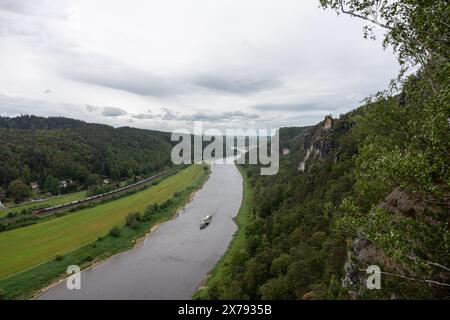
(369, 188)
(47, 151)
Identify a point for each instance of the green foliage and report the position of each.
(22, 285)
(418, 30)
(304, 224)
(34, 148)
(18, 190)
(115, 232)
(133, 220)
(2, 194)
(51, 184)
(297, 243)
(151, 210)
(289, 248)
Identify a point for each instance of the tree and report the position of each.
(2, 193)
(92, 179)
(19, 190)
(405, 152)
(418, 30)
(133, 220)
(51, 184)
(114, 232)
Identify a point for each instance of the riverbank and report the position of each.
(27, 283)
(222, 269)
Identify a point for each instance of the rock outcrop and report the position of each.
(357, 257)
(318, 143)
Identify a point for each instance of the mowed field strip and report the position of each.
(25, 247)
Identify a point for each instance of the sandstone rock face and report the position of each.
(357, 257)
(363, 252)
(328, 122)
(402, 202)
(318, 143)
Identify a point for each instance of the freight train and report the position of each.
(43, 211)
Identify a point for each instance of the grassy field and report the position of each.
(23, 285)
(29, 246)
(222, 269)
(47, 203)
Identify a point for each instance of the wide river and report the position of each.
(171, 261)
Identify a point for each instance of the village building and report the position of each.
(34, 186)
(65, 183)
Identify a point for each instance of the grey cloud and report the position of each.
(169, 115)
(224, 116)
(202, 116)
(143, 116)
(36, 7)
(91, 108)
(106, 111)
(237, 85)
(113, 112)
(100, 71)
(293, 107)
(105, 72)
(302, 66)
(15, 106)
(23, 7)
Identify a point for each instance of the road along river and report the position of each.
(172, 261)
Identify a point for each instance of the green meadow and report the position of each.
(26, 247)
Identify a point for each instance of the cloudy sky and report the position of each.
(160, 64)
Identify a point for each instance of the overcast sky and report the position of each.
(161, 64)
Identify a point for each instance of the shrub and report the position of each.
(114, 232)
(166, 203)
(2, 294)
(134, 224)
(11, 214)
(151, 209)
(133, 219)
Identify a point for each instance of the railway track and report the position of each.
(106, 195)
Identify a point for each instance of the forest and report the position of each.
(375, 189)
(49, 151)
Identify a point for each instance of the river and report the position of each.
(171, 261)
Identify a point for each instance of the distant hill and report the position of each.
(33, 122)
(34, 148)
